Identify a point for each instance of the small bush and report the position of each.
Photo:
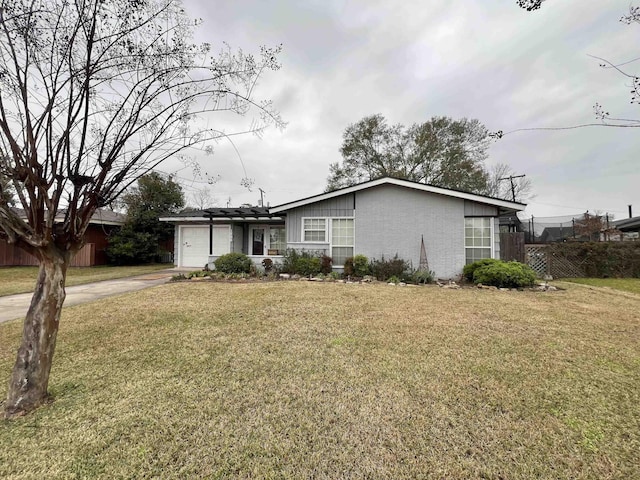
(267, 264)
(233, 263)
(348, 267)
(289, 260)
(505, 275)
(383, 269)
(325, 264)
(304, 262)
(308, 266)
(470, 269)
(360, 265)
(422, 277)
(197, 274)
(393, 279)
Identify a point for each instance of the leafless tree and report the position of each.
(504, 183)
(94, 94)
(202, 198)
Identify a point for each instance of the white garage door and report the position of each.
(194, 246)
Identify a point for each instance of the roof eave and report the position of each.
(509, 206)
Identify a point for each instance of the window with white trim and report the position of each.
(314, 230)
(277, 240)
(478, 237)
(342, 238)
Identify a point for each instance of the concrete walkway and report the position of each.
(16, 306)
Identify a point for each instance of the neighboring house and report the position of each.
(558, 234)
(381, 217)
(630, 227)
(102, 223)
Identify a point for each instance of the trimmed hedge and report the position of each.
(233, 263)
(471, 268)
(505, 275)
(602, 259)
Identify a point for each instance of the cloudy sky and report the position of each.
(411, 60)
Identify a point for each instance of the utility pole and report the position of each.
(513, 187)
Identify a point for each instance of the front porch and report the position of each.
(253, 232)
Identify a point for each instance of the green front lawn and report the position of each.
(306, 380)
(22, 279)
(626, 284)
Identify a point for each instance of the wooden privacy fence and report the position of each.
(10, 255)
(512, 246)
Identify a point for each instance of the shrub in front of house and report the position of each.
(357, 266)
(384, 269)
(325, 264)
(422, 277)
(360, 265)
(233, 263)
(308, 266)
(304, 262)
(505, 275)
(471, 268)
(347, 268)
(267, 264)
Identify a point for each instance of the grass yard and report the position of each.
(22, 279)
(626, 284)
(302, 380)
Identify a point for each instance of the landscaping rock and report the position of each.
(284, 276)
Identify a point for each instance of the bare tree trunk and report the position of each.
(30, 377)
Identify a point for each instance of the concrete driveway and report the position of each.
(16, 306)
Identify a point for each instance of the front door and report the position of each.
(257, 244)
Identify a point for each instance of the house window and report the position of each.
(277, 240)
(342, 234)
(315, 230)
(477, 239)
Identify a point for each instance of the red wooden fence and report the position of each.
(10, 255)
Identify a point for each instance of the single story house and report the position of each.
(381, 217)
(102, 223)
(630, 227)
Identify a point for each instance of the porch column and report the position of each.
(210, 235)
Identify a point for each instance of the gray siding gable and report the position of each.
(475, 209)
(342, 206)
